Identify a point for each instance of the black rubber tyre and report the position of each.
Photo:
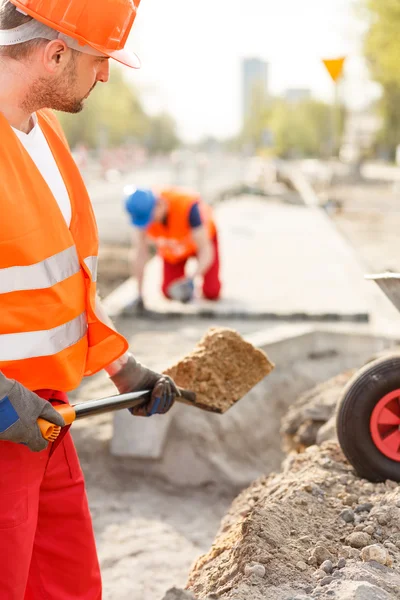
(359, 398)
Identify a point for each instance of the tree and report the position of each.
(161, 134)
(296, 129)
(382, 50)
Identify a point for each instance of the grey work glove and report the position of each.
(182, 290)
(19, 410)
(134, 377)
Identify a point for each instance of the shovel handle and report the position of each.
(50, 431)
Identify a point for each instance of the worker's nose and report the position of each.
(103, 74)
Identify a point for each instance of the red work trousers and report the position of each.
(211, 280)
(47, 548)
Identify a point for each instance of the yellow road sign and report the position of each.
(334, 67)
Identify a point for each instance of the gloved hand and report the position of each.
(182, 289)
(19, 410)
(134, 377)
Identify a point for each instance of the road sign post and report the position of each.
(334, 66)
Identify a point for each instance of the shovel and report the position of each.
(222, 369)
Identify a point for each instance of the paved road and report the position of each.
(278, 261)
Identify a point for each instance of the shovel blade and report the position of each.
(390, 286)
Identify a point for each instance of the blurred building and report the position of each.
(254, 75)
(294, 95)
(360, 133)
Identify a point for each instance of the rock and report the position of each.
(370, 529)
(327, 431)
(347, 515)
(363, 591)
(366, 507)
(390, 546)
(383, 518)
(350, 499)
(175, 594)
(301, 565)
(326, 580)
(319, 574)
(358, 539)
(377, 553)
(327, 566)
(255, 569)
(321, 554)
(341, 563)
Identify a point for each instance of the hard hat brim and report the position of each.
(123, 56)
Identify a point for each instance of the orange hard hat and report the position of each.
(102, 24)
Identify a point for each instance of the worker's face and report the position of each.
(86, 73)
(68, 87)
(81, 75)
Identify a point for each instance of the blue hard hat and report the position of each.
(140, 205)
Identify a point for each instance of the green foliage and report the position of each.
(382, 50)
(298, 129)
(113, 114)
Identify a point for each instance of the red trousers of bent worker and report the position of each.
(47, 548)
(211, 280)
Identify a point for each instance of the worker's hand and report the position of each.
(19, 410)
(182, 290)
(134, 377)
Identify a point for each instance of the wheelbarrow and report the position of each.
(368, 412)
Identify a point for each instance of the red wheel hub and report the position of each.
(385, 425)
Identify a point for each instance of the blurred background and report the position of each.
(246, 79)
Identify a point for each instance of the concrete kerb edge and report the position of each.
(115, 303)
(315, 340)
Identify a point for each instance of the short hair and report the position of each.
(10, 17)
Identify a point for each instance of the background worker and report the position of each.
(53, 329)
(180, 225)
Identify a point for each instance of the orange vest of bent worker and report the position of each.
(174, 239)
(50, 336)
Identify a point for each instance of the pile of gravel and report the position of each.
(313, 531)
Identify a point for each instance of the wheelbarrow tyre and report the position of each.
(359, 398)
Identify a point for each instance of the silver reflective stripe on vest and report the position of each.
(32, 344)
(91, 263)
(41, 275)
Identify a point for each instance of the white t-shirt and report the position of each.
(36, 145)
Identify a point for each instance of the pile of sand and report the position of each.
(221, 369)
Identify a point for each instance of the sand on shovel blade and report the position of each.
(222, 369)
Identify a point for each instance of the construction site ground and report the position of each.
(148, 531)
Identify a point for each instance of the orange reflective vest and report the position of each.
(50, 336)
(174, 239)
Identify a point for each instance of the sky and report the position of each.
(191, 53)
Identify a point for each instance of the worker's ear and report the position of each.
(55, 56)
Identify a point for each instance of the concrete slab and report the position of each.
(278, 262)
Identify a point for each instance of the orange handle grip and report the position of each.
(50, 431)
